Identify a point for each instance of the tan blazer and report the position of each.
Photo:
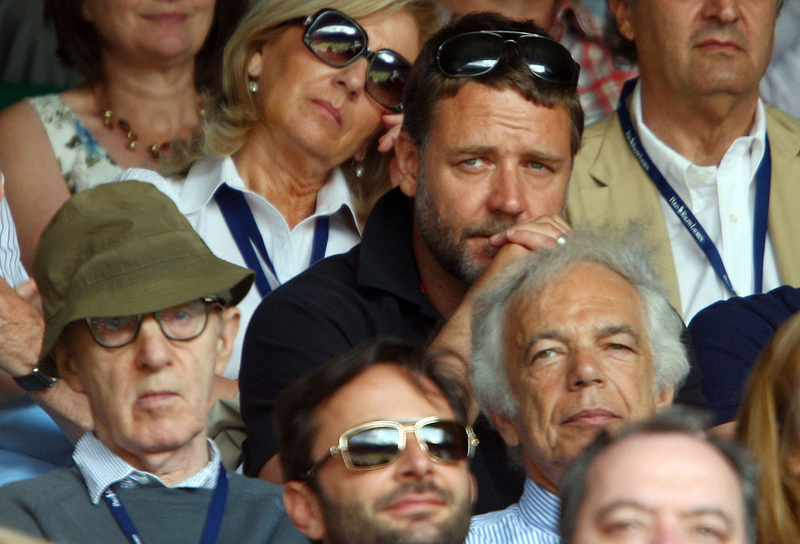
(608, 187)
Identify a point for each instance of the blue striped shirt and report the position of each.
(11, 269)
(533, 520)
(101, 468)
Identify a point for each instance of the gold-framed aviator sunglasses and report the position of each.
(377, 444)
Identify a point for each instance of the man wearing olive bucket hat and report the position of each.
(140, 317)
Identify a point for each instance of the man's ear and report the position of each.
(304, 509)
(665, 398)
(66, 361)
(227, 334)
(405, 172)
(505, 426)
(473, 489)
(623, 16)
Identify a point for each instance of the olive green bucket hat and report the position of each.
(124, 249)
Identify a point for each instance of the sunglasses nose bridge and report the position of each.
(511, 46)
(414, 459)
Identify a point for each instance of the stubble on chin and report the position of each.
(450, 247)
(349, 522)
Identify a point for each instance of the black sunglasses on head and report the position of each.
(338, 40)
(475, 53)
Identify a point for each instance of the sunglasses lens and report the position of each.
(335, 39)
(386, 78)
(475, 53)
(445, 440)
(547, 59)
(468, 55)
(374, 447)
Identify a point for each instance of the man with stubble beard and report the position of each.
(375, 449)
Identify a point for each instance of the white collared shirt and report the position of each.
(101, 468)
(288, 249)
(723, 200)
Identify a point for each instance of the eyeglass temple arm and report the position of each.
(310, 473)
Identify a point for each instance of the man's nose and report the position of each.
(153, 346)
(585, 370)
(725, 11)
(665, 533)
(506, 196)
(413, 461)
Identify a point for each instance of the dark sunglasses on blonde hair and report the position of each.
(377, 444)
(338, 41)
(476, 53)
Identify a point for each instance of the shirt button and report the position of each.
(702, 177)
(734, 218)
(143, 480)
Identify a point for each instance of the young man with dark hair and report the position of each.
(375, 447)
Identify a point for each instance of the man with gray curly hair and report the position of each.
(575, 339)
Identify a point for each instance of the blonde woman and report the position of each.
(289, 162)
(769, 425)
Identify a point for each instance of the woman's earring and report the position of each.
(252, 86)
(358, 167)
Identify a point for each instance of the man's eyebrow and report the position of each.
(693, 512)
(472, 150)
(622, 503)
(530, 153)
(620, 328)
(709, 511)
(543, 335)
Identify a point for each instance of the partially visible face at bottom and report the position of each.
(661, 488)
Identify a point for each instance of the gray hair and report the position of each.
(621, 47)
(677, 420)
(621, 251)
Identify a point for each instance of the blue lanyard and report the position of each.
(245, 232)
(213, 518)
(690, 222)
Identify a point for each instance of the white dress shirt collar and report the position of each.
(676, 168)
(207, 175)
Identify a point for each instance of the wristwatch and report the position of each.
(35, 381)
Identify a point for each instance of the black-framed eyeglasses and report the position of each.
(338, 40)
(475, 53)
(183, 322)
(376, 444)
